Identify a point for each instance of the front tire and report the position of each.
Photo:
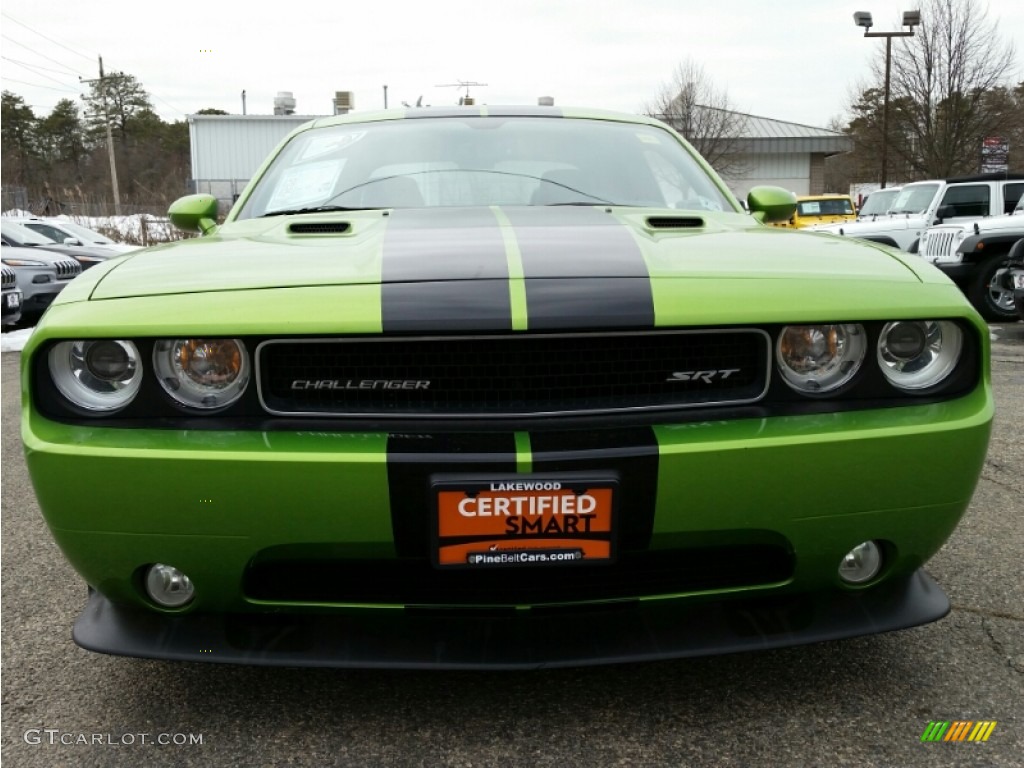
(988, 291)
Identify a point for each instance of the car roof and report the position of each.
(492, 111)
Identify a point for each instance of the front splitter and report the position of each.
(529, 639)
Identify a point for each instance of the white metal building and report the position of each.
(784, 154)
(227, 149)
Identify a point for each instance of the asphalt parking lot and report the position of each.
(861, 702)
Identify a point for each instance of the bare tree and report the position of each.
(693, 105)
(942, 84)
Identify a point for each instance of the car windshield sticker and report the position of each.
(308, 183)
(322, 145)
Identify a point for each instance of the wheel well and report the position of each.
(883, 241)
(995, 249)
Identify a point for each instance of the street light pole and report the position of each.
(911, 19)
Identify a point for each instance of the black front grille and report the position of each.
(416, 582)
(513, 375)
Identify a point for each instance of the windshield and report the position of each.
(833, 207)
(474, 161)
(85, 234)
(23, 235)
(878, 202)
(914, 198)
(48, 231)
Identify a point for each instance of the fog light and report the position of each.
(168, 586)
(861, 564)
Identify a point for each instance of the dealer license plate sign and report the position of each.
(525, 520)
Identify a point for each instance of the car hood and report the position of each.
(430, 245)
(34, 253)
(860, 227)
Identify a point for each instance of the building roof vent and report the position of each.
(344, 102)
(546, 101)
(284, 103)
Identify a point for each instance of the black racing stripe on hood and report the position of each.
(414, 459)
(630, 453)
(582, 268)
(444, 270)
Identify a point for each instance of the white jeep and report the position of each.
(974, 253)
(923, 204)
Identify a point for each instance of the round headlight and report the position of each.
(102, 375)
(207, 374)
(815, 359)
(919, 354)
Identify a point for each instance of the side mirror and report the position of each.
(72, 241)
(769, 204)
(194, 213)
(945, 212)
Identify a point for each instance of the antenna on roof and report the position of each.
(466, 99)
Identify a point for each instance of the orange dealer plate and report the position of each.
(524, 520)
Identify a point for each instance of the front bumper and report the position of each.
(959, 272)
(255, 518)
(407, 639)
(11, 304)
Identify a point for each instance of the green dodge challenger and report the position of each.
(501, 387)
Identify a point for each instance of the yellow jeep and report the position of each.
(821, 209)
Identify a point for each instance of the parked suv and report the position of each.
(11, 303)
(16, 234)
(42, 274)
(878, 203)
(926, 203)
(974, 253)
(820, 209)
(67, 232)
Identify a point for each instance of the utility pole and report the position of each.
(110, 140)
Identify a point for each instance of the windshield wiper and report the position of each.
(314, 209)
(590, 203)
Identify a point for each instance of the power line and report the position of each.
(36, 85)
(26, 26)
(63, 71)
(37, 53)
(31, 69)
(37, 66)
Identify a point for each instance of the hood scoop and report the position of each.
(319, 227)
(675, 222)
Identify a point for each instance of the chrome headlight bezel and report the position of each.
(920, 366)
(202, 374)
(99, 376)
(820, 359)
